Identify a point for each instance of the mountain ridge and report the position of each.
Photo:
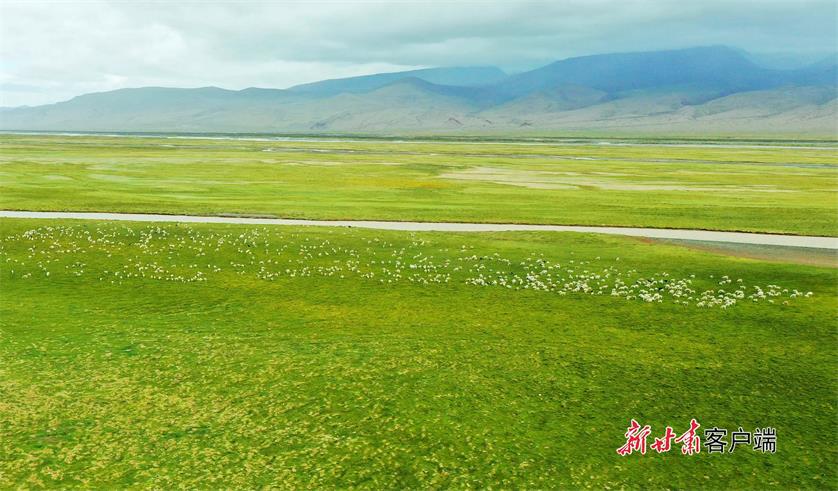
(619, 90)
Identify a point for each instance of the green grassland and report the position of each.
(784, 189)
(242, 357)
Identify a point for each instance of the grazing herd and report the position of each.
(120, 254)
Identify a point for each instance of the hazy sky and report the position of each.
(53, 50)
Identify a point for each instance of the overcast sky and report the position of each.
(54, 50)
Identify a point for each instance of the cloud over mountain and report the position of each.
(51, 51)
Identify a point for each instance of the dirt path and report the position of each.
(654, 233)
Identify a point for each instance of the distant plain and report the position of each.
(781, 188)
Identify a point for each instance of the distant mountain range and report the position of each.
(710, 90)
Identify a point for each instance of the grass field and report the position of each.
(783, 189)
(242, 357)
(232, 356)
